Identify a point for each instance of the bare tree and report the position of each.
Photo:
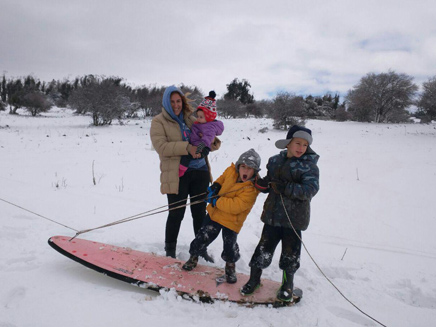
(229, 108)
(427, 101)
(381, 97)
(36, 102)
(287, 110)
(105, 99)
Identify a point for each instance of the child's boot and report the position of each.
(170, 249)
(191, 263)
(206, 256)
(253, 283)
(231, 273)
(286, 290)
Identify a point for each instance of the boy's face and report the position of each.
(245, 172)
(297, 147)
(200, 117)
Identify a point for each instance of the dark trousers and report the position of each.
(192, 183)
(291, 248)
(208, 233)
(185, 160)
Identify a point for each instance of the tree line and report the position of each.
(383, 97)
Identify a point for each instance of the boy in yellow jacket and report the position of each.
(230, 199)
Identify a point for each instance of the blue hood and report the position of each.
(166, 103)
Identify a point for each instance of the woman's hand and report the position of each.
(192, 151)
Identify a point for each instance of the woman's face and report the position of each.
(176, 103)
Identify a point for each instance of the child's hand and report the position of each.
(278, 187)
(212, 200)
(262, 184)
(192, 150)
(215, 188)
(212, 191)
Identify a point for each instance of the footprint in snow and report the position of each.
(405, 291)
(24, 263)
(6, 324)
(14, 297)
(354, 317)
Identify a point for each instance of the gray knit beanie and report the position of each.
(250, 158)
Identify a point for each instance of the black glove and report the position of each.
(205, 152)
(215, 187)
(278, 187)
(262, 184)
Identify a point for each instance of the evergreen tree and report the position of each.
(239, 91)
(3, 90)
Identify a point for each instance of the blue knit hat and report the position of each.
(295, 131)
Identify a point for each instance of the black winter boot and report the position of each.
(231, 273)
(253, 283)
(191, 263)
(286, 290)
(170, 249)
(207, 257)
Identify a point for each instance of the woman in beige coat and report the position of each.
(169, 132)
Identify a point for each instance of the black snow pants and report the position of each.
(291, 248)
(192, 183)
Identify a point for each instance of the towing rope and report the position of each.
(36, 214)
(134, 217)
(150, 213)
(322, 272)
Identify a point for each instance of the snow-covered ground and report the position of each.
(372, 228)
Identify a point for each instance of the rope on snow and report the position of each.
(36, 214)
(322, 272)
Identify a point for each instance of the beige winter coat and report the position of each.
(166, 138)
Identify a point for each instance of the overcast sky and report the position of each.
(304, 47)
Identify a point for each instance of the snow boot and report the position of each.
(231, 273)
(170, 249)
(191, 263)
(285, 293)
(207, 257)
(253, 283)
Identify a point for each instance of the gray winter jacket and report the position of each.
(301, 177)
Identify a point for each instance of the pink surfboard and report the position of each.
(156, 272)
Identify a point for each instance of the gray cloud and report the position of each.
(303, 47)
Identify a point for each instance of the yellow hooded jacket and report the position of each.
(232, 208)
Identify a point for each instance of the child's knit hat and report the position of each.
(250, 158)
(208, 106)
(295, 131)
